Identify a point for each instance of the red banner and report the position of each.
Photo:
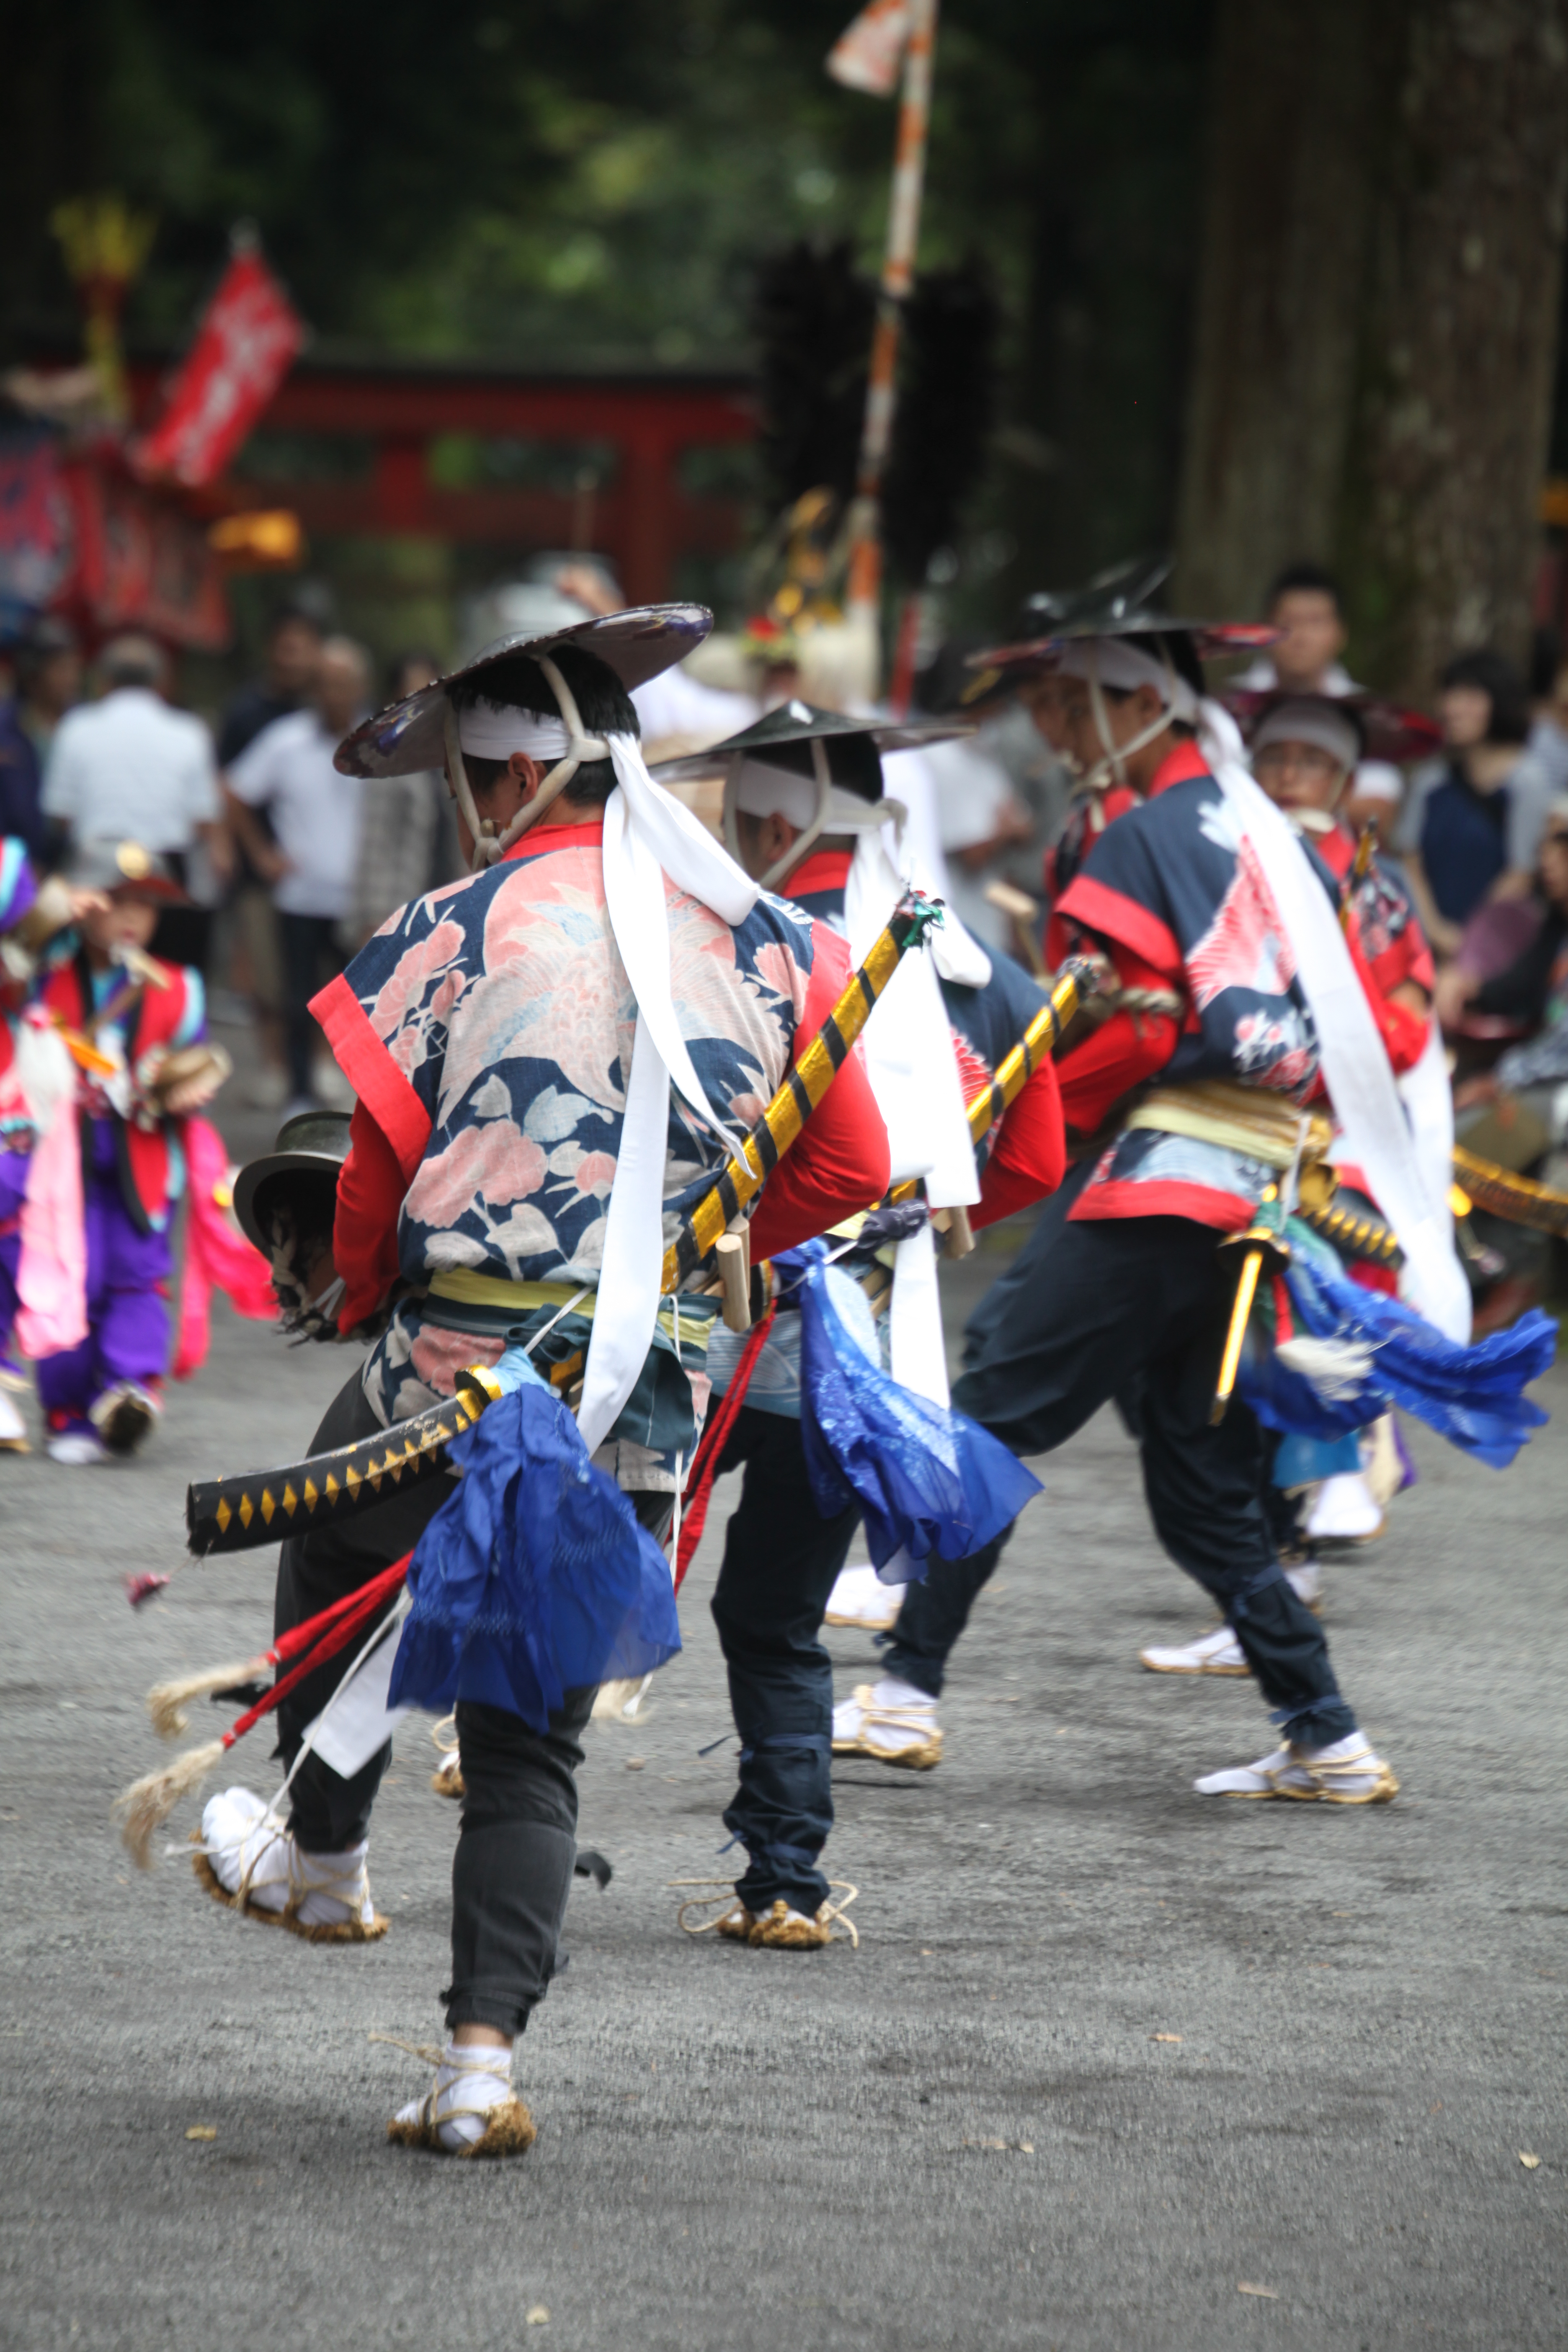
(241, 354)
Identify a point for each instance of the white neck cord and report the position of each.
(803, 842)
(489, 845)
(1113, 766)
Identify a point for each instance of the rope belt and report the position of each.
(462, 1287)
(1242, 1118)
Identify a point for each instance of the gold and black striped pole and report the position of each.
(1045, 1033)
(225, 1515)
(802, 1090)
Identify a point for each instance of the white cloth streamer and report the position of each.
(908, 1046)
(917, 1353)
(1361, 1085)
(647, 834)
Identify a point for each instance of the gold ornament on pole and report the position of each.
(105, 245)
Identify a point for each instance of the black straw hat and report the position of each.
(410, 735)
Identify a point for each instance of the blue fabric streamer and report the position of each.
(535, 1577)
(926, 1478)
(1472, 1396)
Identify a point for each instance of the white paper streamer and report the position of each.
(647, 834)
(1356, 1072)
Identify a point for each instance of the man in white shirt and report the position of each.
(312, 862)
(129, 767)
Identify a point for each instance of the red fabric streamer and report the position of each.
(217, 1255)
(320, 1638)
(705, 1461)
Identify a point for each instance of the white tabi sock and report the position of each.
(472, 2078)
(893, 1692)
(244, 1846)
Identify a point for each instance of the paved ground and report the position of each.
(1105, 2053)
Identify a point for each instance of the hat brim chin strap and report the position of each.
(489, 845)
(1112, 768)
(823, 820)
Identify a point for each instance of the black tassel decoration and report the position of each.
(947, 402)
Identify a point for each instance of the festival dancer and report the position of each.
(1113, 730)
(35, 1082)
(138, 1030)
(1203, 891)
(1305, 749)
(804, 811)
(550, 1060)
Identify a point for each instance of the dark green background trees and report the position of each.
(570, 179)
(1276, 280)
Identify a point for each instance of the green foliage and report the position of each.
(559, 181)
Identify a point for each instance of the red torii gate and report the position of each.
(644, 519)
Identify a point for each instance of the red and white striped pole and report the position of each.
(897, 270)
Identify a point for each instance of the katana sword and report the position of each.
(235, 1514)
(1263, 1244)
(1517, 1198)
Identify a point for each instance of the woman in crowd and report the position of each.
(1473, 823)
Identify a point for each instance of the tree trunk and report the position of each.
(1286, 231)
(1377, 325)
(1441, 523)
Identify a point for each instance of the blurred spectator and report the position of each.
(289, 678)
(20, 813)
(49, 676)
(1377, 790)
(312, 863)
(405, 848)
(1304, 602)
(1549, 698)
(1532, 991)
(129, 767)
(980, 818)
(1474, 819)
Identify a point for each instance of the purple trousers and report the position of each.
(128, 1321)
(13, 1191)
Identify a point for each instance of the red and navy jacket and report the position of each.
(1176, 896)
(1391, 941)
(1087, 819)
(146, 1162)
(1024, 1157)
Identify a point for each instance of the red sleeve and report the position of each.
(1128, 1048)
(840, 1162)
(370, 1186)
(1029, 1157)
(1404, 1033)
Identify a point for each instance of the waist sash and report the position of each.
(1248, 1120)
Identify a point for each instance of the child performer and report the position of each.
(137, 1030)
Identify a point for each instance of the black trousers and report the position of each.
(1084, 1309)
(780, 1563)
(311, 957)
(518, 1839)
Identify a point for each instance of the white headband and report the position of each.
(494, 730)
(1112, 662)
(1379, 779)
(761, 790)
(1315, 722)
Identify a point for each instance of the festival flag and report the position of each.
(241, 354)
(870, 55)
